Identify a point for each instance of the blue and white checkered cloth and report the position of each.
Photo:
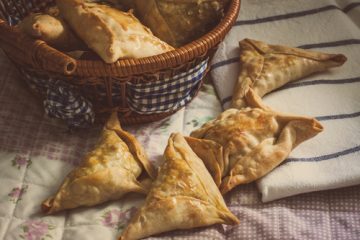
(62, 100)
(167, 94)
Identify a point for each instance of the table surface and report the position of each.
(37, 152)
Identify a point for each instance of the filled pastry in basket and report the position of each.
(111, 33)
(51, 29)
(178, 22)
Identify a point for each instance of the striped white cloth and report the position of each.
(331, 159)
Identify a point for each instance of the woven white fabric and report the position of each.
(331, 159)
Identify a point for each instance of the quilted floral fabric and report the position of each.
(36, 153)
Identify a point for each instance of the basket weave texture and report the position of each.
(117, 86)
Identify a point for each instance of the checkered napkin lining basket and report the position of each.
(141, 90)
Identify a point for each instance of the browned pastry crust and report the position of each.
(254, 140)
(133, 144)
(212, 155)
(123, 4)
(106, 173)
(111, 33)
(178, 22)
(51, 29)
(265, 67)
(183, 196)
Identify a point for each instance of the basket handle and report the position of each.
(34, 52)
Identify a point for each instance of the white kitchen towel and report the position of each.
(331, 159)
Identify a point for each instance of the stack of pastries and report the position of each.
(241, 145)
(113, 32)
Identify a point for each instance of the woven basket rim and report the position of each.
(38, 56)
(132, 66)
(180, 55)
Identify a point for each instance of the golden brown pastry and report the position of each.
(265, 67)
(212, 155)
(106, 173)
(254, 140)
(178, 22)
(183, 196)
(53, 11)
(111, 33)
(123, 4)
(52, 30)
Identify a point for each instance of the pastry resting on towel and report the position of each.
(241, 146)
(265, 67)
(111, 33)
(183, 196)
(106, 173)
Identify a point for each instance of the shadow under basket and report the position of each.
(140, 90)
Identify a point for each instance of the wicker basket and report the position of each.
(105, 85)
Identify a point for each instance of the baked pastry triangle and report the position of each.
(111, 33)
(179, 22)
(51, 29)
(212, 155)
(106, 173)
(265, 67)
(254, 140)
(183, 196)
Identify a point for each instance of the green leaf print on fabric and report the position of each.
(199, 122)
(164, 127)
(21, 161)
(17, 192)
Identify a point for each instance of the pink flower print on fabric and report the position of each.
(16, 193)
(21, 161)
(116, 218)
(111, 218)
(36, 230)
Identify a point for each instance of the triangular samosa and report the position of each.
(265, 67)
(254, 140)
(182, 21)
(111, 33)
(183, 196)
(51, 29)
(106, 173)
(212, 155)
